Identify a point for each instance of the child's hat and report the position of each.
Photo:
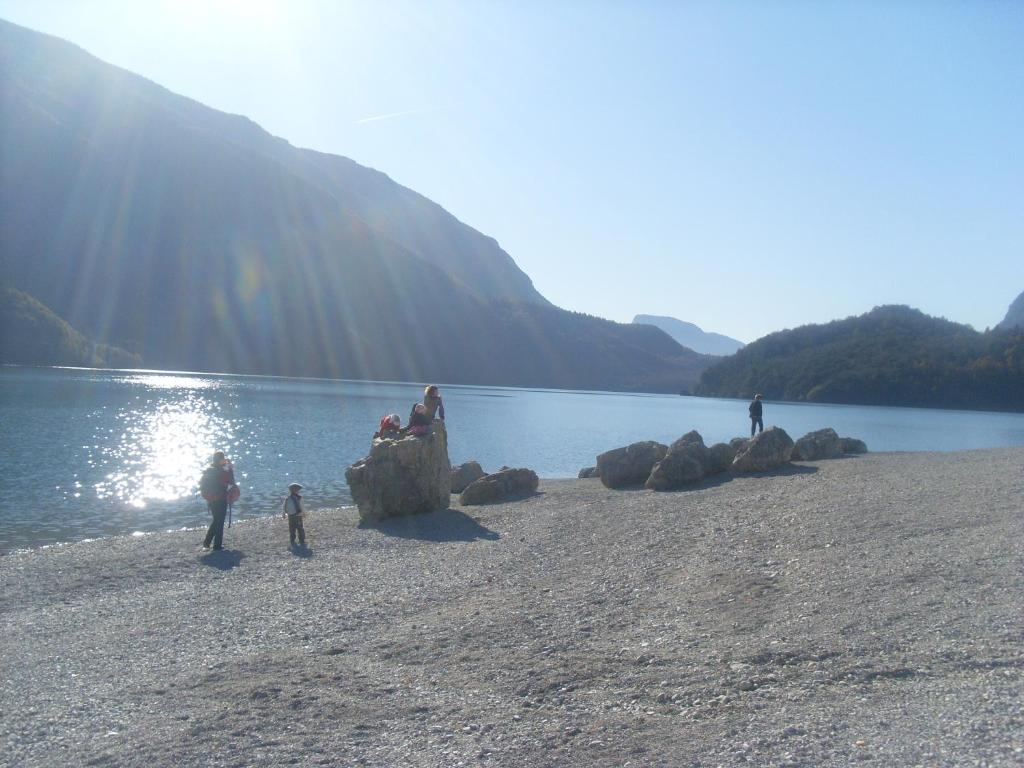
(294, 485)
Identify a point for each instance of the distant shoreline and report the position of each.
(443, 385)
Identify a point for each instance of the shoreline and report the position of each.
(246, 520)
(270, 516)
(864, 609)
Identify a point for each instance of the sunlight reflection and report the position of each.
(164, 381)
(162, 450)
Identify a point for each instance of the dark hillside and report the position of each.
(1014, 315)
(30, 334)
(893, 355)
(199, 241)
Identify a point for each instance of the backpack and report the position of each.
(211, 486)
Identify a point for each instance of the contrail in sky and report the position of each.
(389, 115)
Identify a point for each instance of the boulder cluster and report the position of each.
(671, 467)
(412, 475)
(408, 476)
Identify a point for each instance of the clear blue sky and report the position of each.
(748, 166)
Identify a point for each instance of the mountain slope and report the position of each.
(195, 238)
(892, 355)
(110, 116)
(1014, 315)
(692, 336)
(30, 334)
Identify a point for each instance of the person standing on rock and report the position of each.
(756, 420)
(433, 403)
(217, 486)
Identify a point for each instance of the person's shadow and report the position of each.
(222, 560)
(446, 525)
(302, 551)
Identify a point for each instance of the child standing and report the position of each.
(293, 511)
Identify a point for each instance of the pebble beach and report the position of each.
(866, 610)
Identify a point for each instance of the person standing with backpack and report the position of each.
(216, 485)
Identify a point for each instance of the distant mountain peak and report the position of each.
(691, 335)
(1015, 314)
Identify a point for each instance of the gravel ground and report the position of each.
(866, 610)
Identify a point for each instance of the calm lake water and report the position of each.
(87, 453)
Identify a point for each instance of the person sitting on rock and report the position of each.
(390, 428)
(419, 422)
(433, 403)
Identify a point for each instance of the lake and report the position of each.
(88, 453)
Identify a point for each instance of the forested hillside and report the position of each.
(30, 334)
(893, 355)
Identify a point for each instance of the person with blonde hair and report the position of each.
(433, 403)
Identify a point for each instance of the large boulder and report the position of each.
(685, 463)
(587, 472)
(720, 456)
(739, 444)
(820, 444)
(852, 445)
(402, 477)
(506, 484)
(631, 465)
(464, 474)
(693, 436)
(768, 450)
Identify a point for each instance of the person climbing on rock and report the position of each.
(433, 403)
(390, 428)
(755, 415)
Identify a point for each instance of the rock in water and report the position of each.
(852, 445)
(771, 448)
(587, 472)
(464, 474)
(821, 444)
(506, 484)
(631, 465)
(403, 477)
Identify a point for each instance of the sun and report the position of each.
(262, 13)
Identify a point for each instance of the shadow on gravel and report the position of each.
(224, 560)
(713, 481)
(448, 525)
(301, 550)
(786, 469)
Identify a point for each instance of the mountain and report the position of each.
(1014, 315)
(31, 334)
(691, 336)
(893, 355)
(199, 241)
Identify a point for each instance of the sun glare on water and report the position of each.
(165, 441)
